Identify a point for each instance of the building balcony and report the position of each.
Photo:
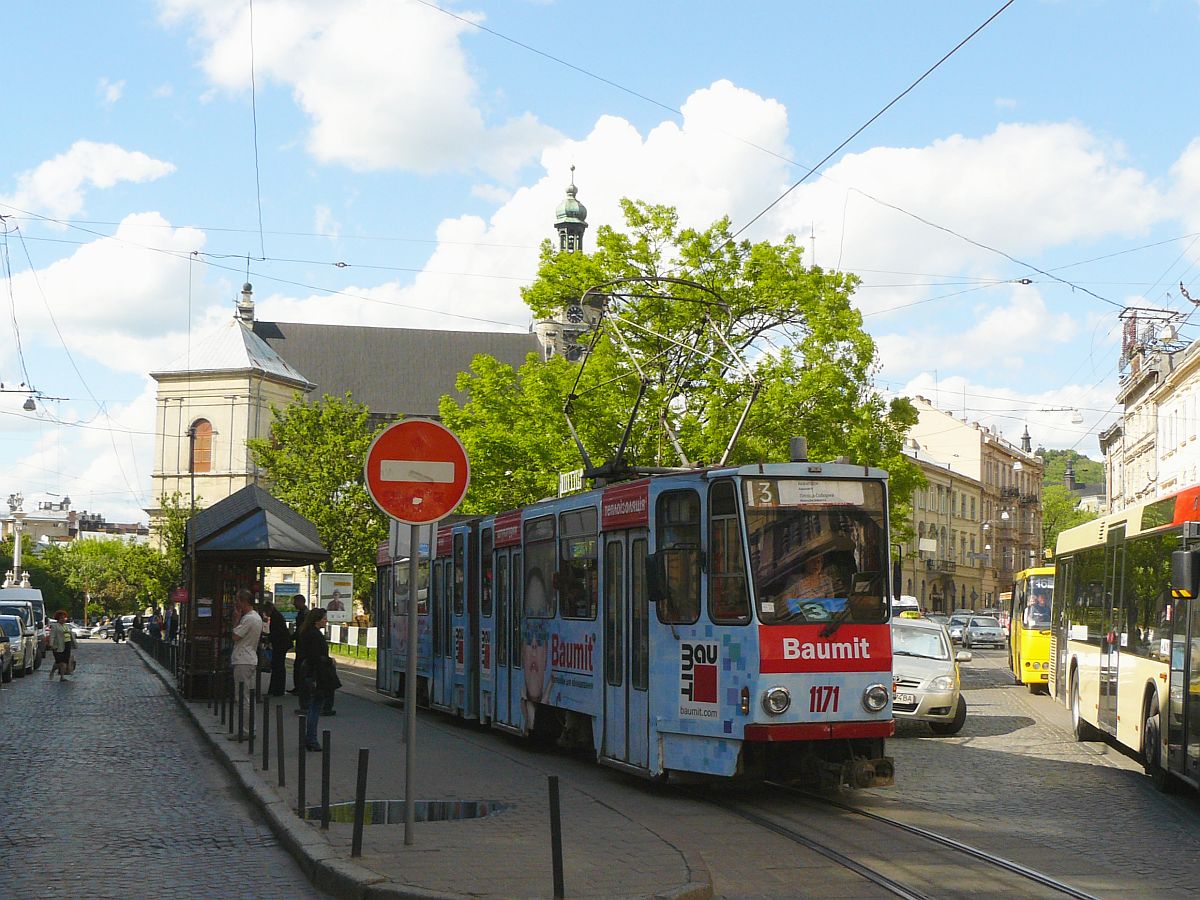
(1010, 493)
(941, 566)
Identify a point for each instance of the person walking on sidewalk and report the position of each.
(281, 642)
(247, 631)
(61, 642)
(315, 671)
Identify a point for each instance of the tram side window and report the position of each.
(728, 599)
(459, 575)
(639, 667)
(577, 571)
(614, 614)
(503, 607)
(677, 557)
(400, 592)
(539, 568)
(485, 570)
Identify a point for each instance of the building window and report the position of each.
(201, 436)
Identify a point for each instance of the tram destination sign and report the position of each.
(417, 471)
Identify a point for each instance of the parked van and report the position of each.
(23, 610)
(41, 625)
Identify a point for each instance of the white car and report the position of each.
(926, 685)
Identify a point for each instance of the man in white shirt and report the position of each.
(247, 630)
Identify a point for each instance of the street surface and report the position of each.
(109, 792)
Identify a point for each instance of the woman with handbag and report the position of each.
(61, 642)
(316, 671)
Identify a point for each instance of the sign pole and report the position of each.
(410, 685)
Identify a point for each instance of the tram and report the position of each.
(729, 621)
(1029, 628)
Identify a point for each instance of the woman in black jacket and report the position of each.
(316, 671)
(281, 642)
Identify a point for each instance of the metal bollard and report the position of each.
(241, 712)
(360, 803)
(266, 734)
(300, 766)
(326, 752)
(231, 696)
(556, 839)
(250, 711)
(219, 689)
(258, 680)
(279, 743)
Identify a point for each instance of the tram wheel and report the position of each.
(1152, 749)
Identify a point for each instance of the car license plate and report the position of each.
(905, 699)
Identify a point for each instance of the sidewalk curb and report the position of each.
(322, 865)
(317, 859)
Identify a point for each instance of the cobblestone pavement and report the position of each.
(109, 792)
(1015, 781)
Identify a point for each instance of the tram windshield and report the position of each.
(1037, 608)
(818, 550)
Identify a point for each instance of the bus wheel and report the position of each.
(1081, 729)
(1152, 749)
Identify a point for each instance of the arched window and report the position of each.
(202, 434)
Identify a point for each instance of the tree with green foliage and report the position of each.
(314, 461)
(807, 359)
(1060, 511)
(1087, 471)
(171, 527)
(114, 577)
(38, 563)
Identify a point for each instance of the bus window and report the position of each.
(728, 599)
(677, 538)
(577, 581)
(539, 593)
(1036, 591)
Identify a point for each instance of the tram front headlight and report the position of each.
(776, 700)
(875, 697)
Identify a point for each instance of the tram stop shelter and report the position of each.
(230, 545)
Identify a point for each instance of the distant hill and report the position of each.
(1087, 471)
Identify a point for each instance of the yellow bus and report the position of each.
(1029, 627)
(1125, 642)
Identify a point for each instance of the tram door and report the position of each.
(500, 638)
(626, 649)
(1183, 724)
(1110, 639)
(443, 657)
(516, 615)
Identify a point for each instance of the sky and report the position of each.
(398, 162)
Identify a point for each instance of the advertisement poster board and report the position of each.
(286, 593)
(336, 596)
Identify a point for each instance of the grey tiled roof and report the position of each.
(394, 371)
(233, 348)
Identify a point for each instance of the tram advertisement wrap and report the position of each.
(559, 659)
(805, 648)
(699, 667)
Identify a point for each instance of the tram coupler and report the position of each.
(861, 772)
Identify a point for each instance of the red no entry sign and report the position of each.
(417, 471)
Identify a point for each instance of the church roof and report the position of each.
(234, 347)
(394, 371)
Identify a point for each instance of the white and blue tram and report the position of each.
(729, 621)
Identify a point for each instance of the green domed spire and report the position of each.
(570, 219)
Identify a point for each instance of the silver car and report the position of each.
(983, 631)
(926, 685)
(6, 658)
(22, 642)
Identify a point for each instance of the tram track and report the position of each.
(901, 859)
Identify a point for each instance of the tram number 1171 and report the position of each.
(823, 698)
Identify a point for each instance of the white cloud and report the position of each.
(1048, 414)
(56, 186)
(110, 91)
(384, 84)
(1002, 335)
(324, 223)
(1005, 103)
